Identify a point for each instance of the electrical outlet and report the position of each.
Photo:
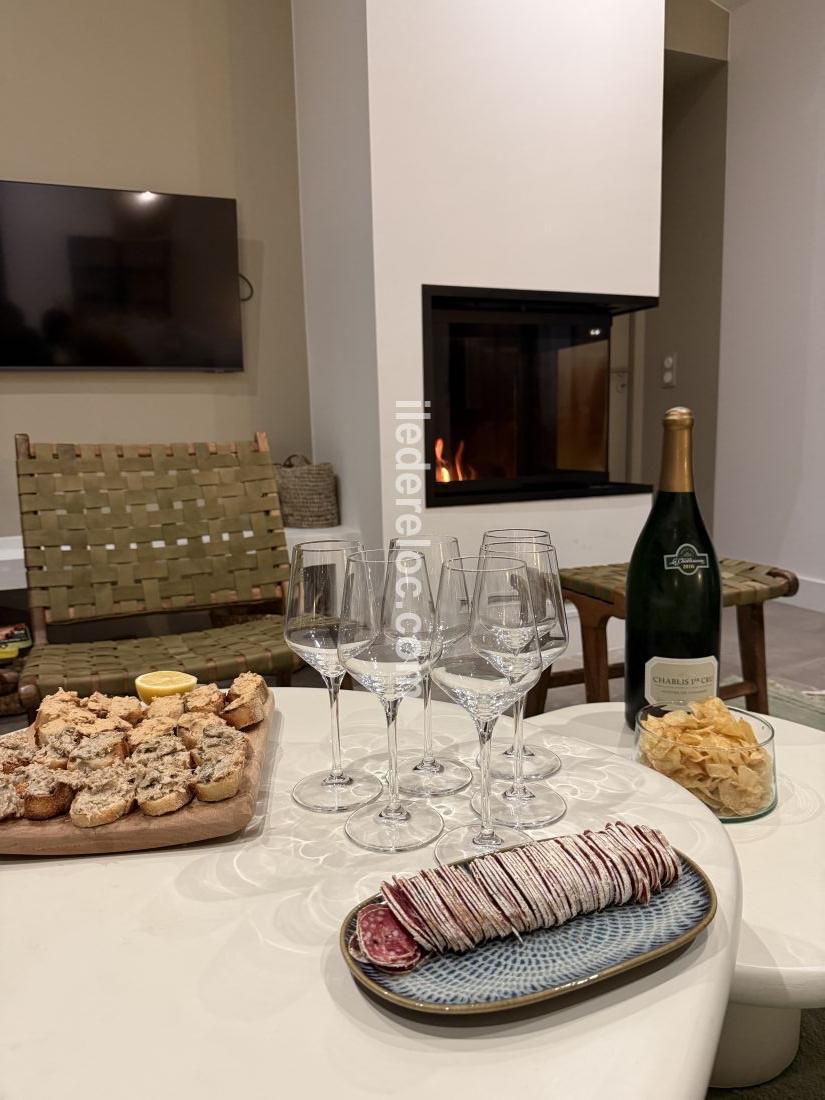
(669, 365)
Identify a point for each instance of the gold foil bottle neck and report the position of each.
(678, 417)
(677, 451)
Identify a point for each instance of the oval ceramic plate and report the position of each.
(504, 974)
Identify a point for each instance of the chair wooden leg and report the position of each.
(537, 696)
(30, 698)
(594, 620)
(750, 625)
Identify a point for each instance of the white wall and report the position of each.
(509, 145)
(167, 95)
(770, 496)
(518, 146)
(330, 45)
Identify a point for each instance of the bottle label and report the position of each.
(680, 680)
(687, 560)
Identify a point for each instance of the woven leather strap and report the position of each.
(125, 529)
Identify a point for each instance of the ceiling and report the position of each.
(730, 5)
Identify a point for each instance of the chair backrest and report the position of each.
(114, 529)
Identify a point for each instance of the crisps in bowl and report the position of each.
(723, 756)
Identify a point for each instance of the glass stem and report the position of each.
(336, 774)
(394, 808)
(519, 787)
(426, 694)
(485, 734)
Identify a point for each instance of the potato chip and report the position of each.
(712, 753)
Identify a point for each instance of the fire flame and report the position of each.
(457, 470)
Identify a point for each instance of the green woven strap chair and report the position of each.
(116, 530)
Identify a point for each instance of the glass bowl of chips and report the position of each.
(722, 755)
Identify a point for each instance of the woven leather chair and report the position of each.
(116, 530)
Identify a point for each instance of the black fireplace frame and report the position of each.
(516, 304)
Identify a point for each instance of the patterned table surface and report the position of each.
(220, 962)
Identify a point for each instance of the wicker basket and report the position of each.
(308, 493)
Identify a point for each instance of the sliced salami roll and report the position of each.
(441, 903)
(513, 892)
(398, 902)
(384, 940)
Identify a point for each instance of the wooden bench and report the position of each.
(598, 594)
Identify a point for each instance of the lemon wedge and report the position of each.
(153, 685)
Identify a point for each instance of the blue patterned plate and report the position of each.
(505, 974)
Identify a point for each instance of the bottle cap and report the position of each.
(678, 417)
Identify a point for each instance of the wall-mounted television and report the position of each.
(96, 279)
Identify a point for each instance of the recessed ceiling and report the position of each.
(730, 5)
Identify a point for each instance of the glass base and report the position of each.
(543, 807)
(418, 826)
(418, 780)
(539, 763)
(460, 843)
(316, 794)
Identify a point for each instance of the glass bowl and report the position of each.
(734, 776)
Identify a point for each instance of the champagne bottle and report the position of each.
(674, 592)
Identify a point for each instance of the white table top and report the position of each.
(781, 957)
(214, 970)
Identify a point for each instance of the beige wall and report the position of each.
(687, 321)
(191, 96)
(770, 500)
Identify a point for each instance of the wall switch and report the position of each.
(669, 364)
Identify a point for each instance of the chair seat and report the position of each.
(220, 653)
(743, 582)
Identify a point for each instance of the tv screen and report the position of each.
(93, 279)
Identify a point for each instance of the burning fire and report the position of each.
(457, 470)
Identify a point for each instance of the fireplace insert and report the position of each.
(518, 390)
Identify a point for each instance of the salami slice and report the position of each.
(384, 940)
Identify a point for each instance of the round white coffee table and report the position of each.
(780, 963)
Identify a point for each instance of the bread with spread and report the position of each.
(100, 757)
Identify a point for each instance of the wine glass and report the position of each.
(387, 642)
(426, 776)
(489, 658)
(313, 611)
(539, 763)
(515, 803)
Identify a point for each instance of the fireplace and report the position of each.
(518, 387)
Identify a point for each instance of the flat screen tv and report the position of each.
(94, 279)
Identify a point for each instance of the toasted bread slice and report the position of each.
(244, 712)
(106, 795)
(219, 776)
(43, 791)
(148, 730)
(76, 718)
(166, 706)
(98, 751)
(218, 740)
(248, 685)
(204, 699)
(125, 707)
(162, 790)
(58, 747)
(166, 751)
(53, 706)
(11, 802)
(16, 749)
(191, 726)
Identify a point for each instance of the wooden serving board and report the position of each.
(136, 831)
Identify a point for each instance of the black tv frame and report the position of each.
(130, 368)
